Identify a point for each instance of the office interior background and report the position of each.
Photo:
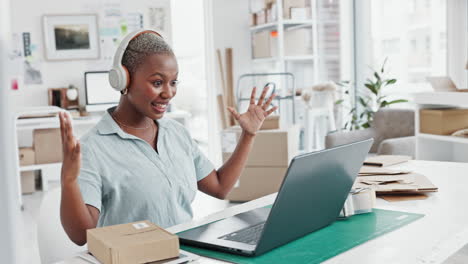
(319, 58)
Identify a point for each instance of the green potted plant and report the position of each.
(369, 101)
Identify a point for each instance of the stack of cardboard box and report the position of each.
(267, 163)
(47, 149)
(28, 178)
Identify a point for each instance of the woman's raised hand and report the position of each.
(252, 120)
(71, 150)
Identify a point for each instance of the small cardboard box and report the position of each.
(48, 145)
(28, 182)
(256, 182)
(298, 42)
(271, 122)
(288, 4)
(138, 242)
(264, 44)
(271, 148)
(443, 121)
(26, 156)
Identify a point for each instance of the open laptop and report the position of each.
(311, 196)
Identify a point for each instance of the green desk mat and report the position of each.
(326, 242)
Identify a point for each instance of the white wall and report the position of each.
(457, 41)
(60, 74)
(231, 30)
(9, 202)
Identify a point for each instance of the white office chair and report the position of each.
(54, 244)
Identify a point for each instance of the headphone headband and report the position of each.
(119, 77)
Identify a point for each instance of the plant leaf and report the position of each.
(391, 81)
(397, 101)
(376, 75)
(339, 102)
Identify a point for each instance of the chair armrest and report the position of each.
(342, 137)
(398, 146)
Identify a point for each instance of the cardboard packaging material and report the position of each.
(261, 17)
(48, 145)
(138, 242)
(271, 13)
(386, 160)
(26, 156)
(253, 19)
(271, 122)
(298, 42)
(256, 182)
(264, 44)
(300, 13)
(28, 182)
(443, 121)
(288, 4)
(271, 148)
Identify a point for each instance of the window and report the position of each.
(413, 40)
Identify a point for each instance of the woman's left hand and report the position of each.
(252, 120)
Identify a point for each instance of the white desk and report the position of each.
(431, 239)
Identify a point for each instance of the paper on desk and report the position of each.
(370, 170)
(386, 160)
(184, 257)
(383, 179)
(404, 197)
(386, 184)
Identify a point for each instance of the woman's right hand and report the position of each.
(71, 150)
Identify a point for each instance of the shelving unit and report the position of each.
(281, 60)
(437, 147)
(51, 171)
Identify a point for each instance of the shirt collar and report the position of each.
(107, 125)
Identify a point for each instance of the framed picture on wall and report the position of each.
(71, 37)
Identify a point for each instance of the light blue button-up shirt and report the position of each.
(128, 181)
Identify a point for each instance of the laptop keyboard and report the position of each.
(249, 235)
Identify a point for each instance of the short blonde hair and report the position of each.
(142, 46)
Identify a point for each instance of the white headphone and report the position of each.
(119, 77)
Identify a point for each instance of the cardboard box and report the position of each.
(288, 4)
(300, 13)
(271, 122)
(47, 145)
(28, 182)
(138, 242)
(443, 121)
(298, 42)
(26, 156)
(261, 17)
(253, 19)
(264, 44)
(256, 182)
(271, 148)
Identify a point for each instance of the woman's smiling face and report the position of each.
(154, 84)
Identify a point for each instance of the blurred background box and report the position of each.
(288, 4)
(28, 182)
(443, 121)
(300, 13)
(271, 148)
(47, 145)
(298, 42)
(256, 182)
(264, 44)
(26, 156)
(271, 122)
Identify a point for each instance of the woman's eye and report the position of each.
(174, 83)
(158, 83)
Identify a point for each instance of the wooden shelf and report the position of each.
(441, 99)
(286, 23)
(40, 166)
(444, 138)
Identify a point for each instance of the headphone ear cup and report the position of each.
(119, 78)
